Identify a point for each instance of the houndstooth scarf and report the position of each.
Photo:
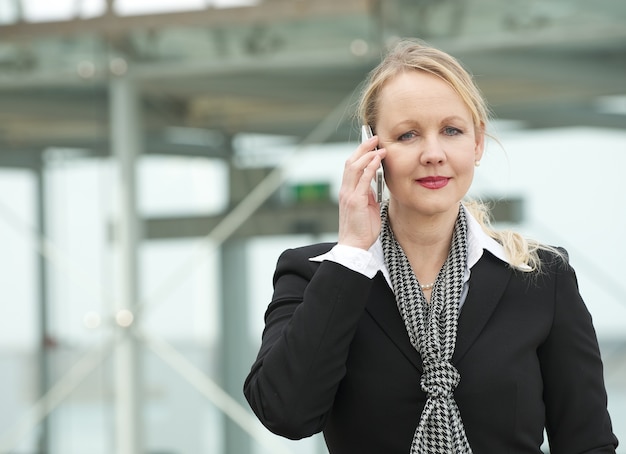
(432, 331)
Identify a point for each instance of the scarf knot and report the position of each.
(439, 379)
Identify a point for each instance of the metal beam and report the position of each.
(43, 435)
(266, 12)
(314, 218)
(235, 352)
(126, 130)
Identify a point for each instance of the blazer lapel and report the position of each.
(488, 280)
(384, 310)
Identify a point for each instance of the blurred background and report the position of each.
(157, 156)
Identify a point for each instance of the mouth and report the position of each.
(433, 182)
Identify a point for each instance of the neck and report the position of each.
(419, 230)
(425, 239)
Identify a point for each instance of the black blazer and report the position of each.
(335, 356)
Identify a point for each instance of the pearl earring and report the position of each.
(477, 163)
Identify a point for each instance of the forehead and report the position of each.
(419, 89)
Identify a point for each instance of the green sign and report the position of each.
(310, 192)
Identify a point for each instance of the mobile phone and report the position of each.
(379, 180)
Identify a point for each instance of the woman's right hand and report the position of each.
(359, 213)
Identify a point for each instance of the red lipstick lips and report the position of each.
(433, 182)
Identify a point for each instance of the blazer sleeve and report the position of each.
(577, 419)
(309, 325)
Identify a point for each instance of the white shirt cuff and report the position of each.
(354, 258)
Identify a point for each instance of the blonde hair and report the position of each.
(415, 55)
(521, 253)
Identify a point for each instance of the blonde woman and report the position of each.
(423, 330)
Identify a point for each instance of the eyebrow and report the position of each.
(447, 119)
(453, 118)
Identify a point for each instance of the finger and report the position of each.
(370, 144)
(364, 185)
(363, 148)
(354, 169)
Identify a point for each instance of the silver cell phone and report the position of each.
(379, 180)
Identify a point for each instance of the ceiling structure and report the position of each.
(281, 66)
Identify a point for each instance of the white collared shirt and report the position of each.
(371, 261)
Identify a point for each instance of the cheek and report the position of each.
(465, 171)
(466, 175)
(399, 163)
(391, 170)
(466, 161)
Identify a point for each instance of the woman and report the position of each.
(422, 330)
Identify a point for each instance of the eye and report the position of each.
(452, 131)
(407, 136)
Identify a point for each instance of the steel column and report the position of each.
(126, 140)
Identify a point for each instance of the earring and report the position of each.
(477, 163)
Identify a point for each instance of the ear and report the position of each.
(479, 147)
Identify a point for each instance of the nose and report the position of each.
(432, 151)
